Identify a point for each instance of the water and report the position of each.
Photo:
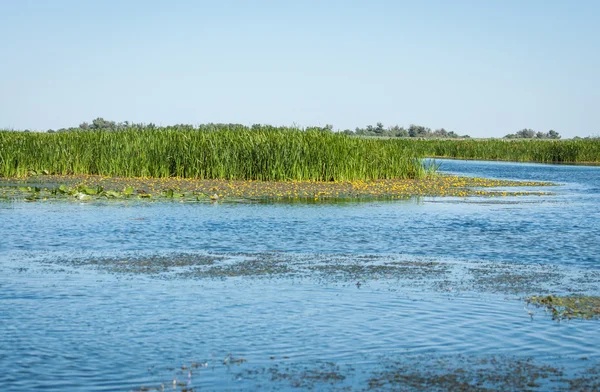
(90, 328)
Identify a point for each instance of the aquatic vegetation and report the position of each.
(512, 278)
(150, 265)
(266, 153)
(461, 373)
(218, 152)
(391, 271)
(547, 151)
(568, 307)
(391, 373)
(100, 187)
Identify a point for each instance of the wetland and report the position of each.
(484, 278)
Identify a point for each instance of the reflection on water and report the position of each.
(70, 327)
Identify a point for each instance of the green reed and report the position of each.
(213, 152)
(548, 151)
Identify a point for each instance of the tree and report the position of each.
(398, 131)
(552, 134)
(418, 131)
(441, 132)
(526, 133)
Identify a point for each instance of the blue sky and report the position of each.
(485, 68)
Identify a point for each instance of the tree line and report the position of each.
(377, 130)
(531, 134)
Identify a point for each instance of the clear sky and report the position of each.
(481, 67)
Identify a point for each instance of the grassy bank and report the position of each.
(523, 150)
(221, 152)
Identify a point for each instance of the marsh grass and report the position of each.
(232, 153)
(545, 151)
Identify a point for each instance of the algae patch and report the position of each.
(148, 265)
(465, 374)
(568, 307)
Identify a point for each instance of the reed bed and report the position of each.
(546, 151)
(219, 152)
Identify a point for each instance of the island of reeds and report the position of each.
(236, 161)
(212, 152)
(262, 152)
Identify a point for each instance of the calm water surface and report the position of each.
(75, 328)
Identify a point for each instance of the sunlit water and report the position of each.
(69, 328)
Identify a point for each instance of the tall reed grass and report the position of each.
(547, 151)
(219, 152)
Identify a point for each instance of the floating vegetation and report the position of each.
(362, 271)
(568, 307)
(512, 278)
(422, 373)
(149, 265)
(588, 380)
(460, 373)
(317, 376)
(83, 188)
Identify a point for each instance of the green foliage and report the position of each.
(413, 131)
(231, 152)
(519, 150)
(531, 134)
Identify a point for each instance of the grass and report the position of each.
(220, 152)
(265, 153)
(524, 150)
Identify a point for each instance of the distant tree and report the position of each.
(441, 133)
(526, 133)
(379, 129)
(552, 134)
(397, 131)
(531, 134)
(418, 131)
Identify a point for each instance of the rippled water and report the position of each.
(67, 327)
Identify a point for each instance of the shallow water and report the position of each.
(97, 327)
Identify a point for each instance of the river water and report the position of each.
(448, 298)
